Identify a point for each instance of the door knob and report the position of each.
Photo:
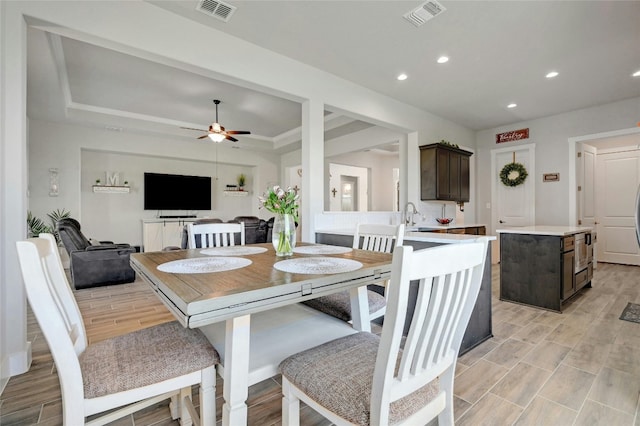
(501, 221)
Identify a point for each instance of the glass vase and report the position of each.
(284, 234)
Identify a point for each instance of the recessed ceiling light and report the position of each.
(552, 74)
(636, 74)
(512, 105)
(443, 59)
(402, 77)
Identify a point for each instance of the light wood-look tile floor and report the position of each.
(540, 368)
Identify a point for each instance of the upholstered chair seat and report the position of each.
(339, 304)
(131, 360)
(351, 377)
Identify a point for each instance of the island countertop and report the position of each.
(556, 230)
(428, 237)
(454, 225)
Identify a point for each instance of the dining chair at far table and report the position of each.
(365, 379)
(215, 234)
(128, 372)
(372, 237)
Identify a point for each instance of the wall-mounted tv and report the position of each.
(176, 192)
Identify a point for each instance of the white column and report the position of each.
(409, 170)
(312, 166)
(15, 351)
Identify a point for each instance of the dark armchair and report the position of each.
(256, 230)
(94, 264)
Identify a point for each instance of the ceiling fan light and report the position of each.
(216, 137)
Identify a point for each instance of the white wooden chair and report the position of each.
(130, 371)
(215, 234)
(372, 237)
(365, 379)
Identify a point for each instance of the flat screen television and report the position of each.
(176, 192)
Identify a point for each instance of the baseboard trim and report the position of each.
(14, 364)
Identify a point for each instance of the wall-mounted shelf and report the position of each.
(111, 189)
(237, 193)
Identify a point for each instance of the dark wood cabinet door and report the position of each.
(443, 183)
(428, 174)
(568, 276)
(454, 176)
(464, 179)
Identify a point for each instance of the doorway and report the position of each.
(348, 188)
(605, 168)
(349, 193)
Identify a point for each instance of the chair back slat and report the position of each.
(449, 282)
(215, 234)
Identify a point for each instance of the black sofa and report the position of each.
(94, 264)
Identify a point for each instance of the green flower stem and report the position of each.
(284, 242)
(284, 237)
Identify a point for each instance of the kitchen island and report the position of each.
(479, 328)
(544, 266)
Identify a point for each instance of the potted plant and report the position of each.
(241, 181)
(37, 226)
(98, 181)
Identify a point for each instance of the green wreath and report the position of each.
(513, 174)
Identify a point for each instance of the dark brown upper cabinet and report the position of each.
(444, 173)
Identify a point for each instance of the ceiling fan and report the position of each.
(216, 132)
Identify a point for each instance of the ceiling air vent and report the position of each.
(425, 12)
(217, 9)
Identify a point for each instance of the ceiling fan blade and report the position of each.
(238, 132)
(191, 128)
(232, 139)
(203, 136)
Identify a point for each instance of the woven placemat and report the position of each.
(317, 265)
(203, 265)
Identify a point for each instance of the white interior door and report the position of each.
(618, 179)
(586, 179)
(513, 205)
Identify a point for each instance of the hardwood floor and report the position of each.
(540, 368)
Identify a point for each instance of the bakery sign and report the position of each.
(514, 135)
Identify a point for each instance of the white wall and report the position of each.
(550, 136)
(83, 154)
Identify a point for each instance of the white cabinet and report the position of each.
(160, 233)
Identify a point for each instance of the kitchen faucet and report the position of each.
(408, 215)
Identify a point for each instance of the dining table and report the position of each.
(245, 299)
